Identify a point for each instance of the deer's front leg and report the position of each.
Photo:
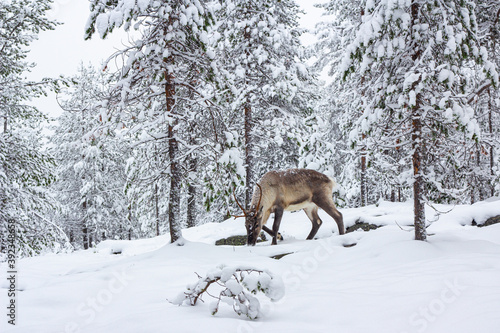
(278, 214)
(271, 233)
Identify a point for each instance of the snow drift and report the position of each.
(386, 283)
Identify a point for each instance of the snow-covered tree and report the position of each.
(159, 85)
(25, 168)
(342, 102)
(486, 99)
(146, 187)
(260, 62)
(90, 165)
(411, 58)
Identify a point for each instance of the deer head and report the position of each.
(253, 218)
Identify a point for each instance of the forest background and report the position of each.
(205, 97)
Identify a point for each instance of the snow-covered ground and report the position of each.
(387, 282)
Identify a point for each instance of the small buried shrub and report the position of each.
(233, 240)
(363, 226)
(238, 240)
(279, 256)
(235, 286)
(490, 221)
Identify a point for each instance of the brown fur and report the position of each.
(292, 189)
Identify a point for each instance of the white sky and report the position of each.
(61, 51)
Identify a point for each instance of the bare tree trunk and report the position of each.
(471, 185)
(363, 176)
(129, 219)
(418, 185)
(191, 199)
(175, 172)
(191, 206)
(417, 146)
(85, 232)
(478, 179)
(248, 154)
(157, 211)
(6, 121)
(85, 229)
(363, 158)
(248, 131)
(492, 159)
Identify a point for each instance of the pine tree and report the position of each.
(162, 69)
(343, 101)
(260, 61)
(487, 100)
(25, 167)
(145, 187)
(410, 57)
(90, 164)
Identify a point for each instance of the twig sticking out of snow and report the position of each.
(237, 286)
(438, 212)
(411, 229)
(400, 227)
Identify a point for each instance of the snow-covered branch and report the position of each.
(235, 286)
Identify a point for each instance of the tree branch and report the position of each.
(480, 90)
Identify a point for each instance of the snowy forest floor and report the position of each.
(387, 282)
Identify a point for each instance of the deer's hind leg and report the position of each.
(329, 207)
(312, 214)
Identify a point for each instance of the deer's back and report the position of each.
(294, 189)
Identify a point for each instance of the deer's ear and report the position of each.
(261, 209)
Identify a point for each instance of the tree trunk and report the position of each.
(175, 172)
(492, 159)
(417, 145)
(363, 159)
(157, 211)
(85, 229)
(363, 176)
(248, 154)
(248, 128)
(191, 206)
(6, 121)
(418, 184)
(191, 189)
(85, 232)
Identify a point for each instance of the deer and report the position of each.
(289, 190)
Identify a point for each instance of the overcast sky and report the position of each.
(62, 50)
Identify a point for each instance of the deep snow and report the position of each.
(386, 283)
